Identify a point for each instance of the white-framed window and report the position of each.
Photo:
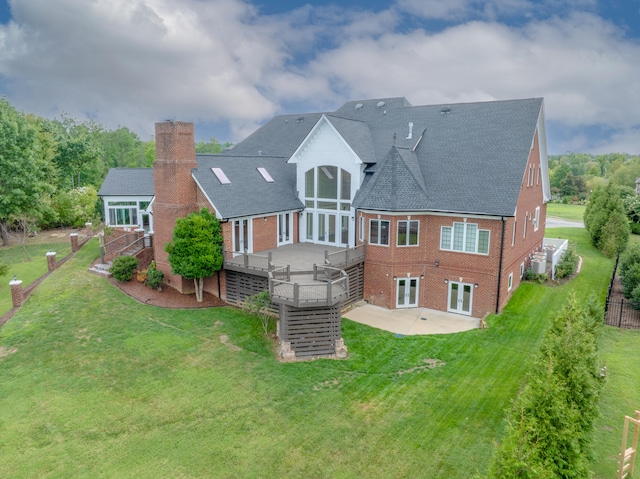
(524, 228)
(361, 228)
(538, 177)
(123, 213)
(464, 237)
(536, 219)
(379, 232)
(510, 282)
(513, 232)
(521, 270)
(408, 233)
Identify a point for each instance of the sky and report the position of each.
(231, 65)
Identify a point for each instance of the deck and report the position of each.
(300, 257)
(302, 275)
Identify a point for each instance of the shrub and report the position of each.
(154, 277)
(122, 268)
(629, 270)
(568, 263)
(258, 305)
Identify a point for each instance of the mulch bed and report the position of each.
(167, 298)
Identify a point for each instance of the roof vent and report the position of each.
(300, 120)
(410, 135)
(445, 110)
(380, 104)
(358, 106)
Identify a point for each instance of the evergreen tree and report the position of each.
(606, 220)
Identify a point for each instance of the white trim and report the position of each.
(407, 293)
(510, 282)
(452, 214)
(379, 229)
(217, 212)
(544, 160)
(408, 221)
(308, 139)
(249, 246)
(536, 219)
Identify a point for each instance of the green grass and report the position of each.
(567, 212)
(620, 396)
(97, 385)
(26, 270)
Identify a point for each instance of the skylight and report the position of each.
(265, 174)
(222, 178)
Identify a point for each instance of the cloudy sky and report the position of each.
(230, 65)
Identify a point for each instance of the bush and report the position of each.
(122, 268)
(629, 270)
(154, 277)
(568, 263)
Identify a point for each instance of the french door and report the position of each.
(407, 292)
(330, 228)
(460, 298)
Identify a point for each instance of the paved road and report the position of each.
(562, 223)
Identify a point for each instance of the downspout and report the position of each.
(500, 269)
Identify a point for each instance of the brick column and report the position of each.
(89, 227)
(51, 260)
(74, 242)
(17, 295)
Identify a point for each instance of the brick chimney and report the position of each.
(175, 190)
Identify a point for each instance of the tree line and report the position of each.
(573, 176)
(52, 169)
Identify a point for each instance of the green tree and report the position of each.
(549, 429)
(606, 221)
(26, 173)
(213, 146)
(196, 250)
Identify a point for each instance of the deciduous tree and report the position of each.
(196, 250)
(26, 173)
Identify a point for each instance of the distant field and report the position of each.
(567, 212)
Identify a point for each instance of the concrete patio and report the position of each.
(411, 321)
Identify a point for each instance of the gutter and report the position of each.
(500, 268)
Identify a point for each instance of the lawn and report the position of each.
(97, 385)
(567, 212)
(27, 270)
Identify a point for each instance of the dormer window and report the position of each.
(265, 174)
(222, 178)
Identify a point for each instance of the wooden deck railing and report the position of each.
(345, 256)
(326, 287)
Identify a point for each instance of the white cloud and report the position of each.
(134, 62)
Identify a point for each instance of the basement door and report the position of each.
(460, 298)
(407, 292)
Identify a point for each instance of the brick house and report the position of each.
(442, 206)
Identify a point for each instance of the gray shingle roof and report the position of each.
(472, 156)
(128, 182)
(249, 193)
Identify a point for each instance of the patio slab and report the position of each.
(411, 321)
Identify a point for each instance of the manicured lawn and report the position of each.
(620, 396)
(26, 270)
(567, 212)
(97, 385)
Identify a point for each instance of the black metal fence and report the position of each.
(621, 313)
(618, 311)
